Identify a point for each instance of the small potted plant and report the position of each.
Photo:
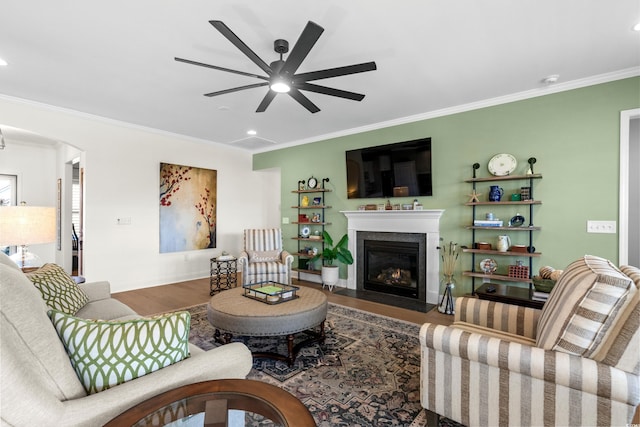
(331, 253)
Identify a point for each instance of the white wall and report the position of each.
(121, 180)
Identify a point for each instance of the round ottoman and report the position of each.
(233, 313)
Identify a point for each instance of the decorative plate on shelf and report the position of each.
(516, 221)
(502, 164)
(488, 265)
(305, 231)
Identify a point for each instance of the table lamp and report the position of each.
(26, 225)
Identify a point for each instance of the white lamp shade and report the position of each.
(27, 225)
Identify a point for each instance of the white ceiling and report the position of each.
(115, 59)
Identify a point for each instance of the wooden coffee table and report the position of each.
(212, 400)
(234, 314)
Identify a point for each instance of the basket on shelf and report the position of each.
(543, 285)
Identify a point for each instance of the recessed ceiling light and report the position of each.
(549, 80)
(252, 132)
(3, 63)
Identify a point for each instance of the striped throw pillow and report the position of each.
(620, 349)
(108, 353)
(583, 306)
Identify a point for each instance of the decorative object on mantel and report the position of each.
(449, 255)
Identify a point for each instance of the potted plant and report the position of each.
(331, 253)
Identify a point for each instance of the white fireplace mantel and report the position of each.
(397, 221)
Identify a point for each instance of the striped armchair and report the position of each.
(263, 257)
(575, 362)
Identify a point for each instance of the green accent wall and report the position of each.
(574, 135)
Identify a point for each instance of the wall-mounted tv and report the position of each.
(401, 169)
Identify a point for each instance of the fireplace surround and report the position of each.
(398, 222)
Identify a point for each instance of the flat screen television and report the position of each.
(401, 169)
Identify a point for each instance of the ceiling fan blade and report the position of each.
(330, 91)
(303, 46)
(230, 35)
(215, 67)
(266, 101)
(335, 72)
(235, 89)
(303, 100)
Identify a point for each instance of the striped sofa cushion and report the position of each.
(585, 304)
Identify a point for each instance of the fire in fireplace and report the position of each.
(392, 263)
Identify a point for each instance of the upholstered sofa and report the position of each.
(575, 362)
(39, 385)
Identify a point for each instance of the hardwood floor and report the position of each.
(175, 296)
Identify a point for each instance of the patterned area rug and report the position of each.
(366, 374)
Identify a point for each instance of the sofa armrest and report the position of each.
(509, 318)
(578, 373)
(243, 259)
(286, 257)
(228, 361)
(96, 290)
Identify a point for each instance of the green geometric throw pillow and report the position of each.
(58, 289)
(108, 353)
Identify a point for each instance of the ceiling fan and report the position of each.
(281, 74)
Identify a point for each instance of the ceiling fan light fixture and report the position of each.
(280, 86)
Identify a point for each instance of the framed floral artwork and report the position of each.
(188, 201)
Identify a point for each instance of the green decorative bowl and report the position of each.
(543, 285)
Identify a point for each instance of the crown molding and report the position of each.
(519, 96)
(113, 122)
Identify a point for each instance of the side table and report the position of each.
(223, 274)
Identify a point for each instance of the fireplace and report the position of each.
(398, 228)
(391, 263)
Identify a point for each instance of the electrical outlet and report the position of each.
(608, 227)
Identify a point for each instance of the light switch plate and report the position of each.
(608, 227)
